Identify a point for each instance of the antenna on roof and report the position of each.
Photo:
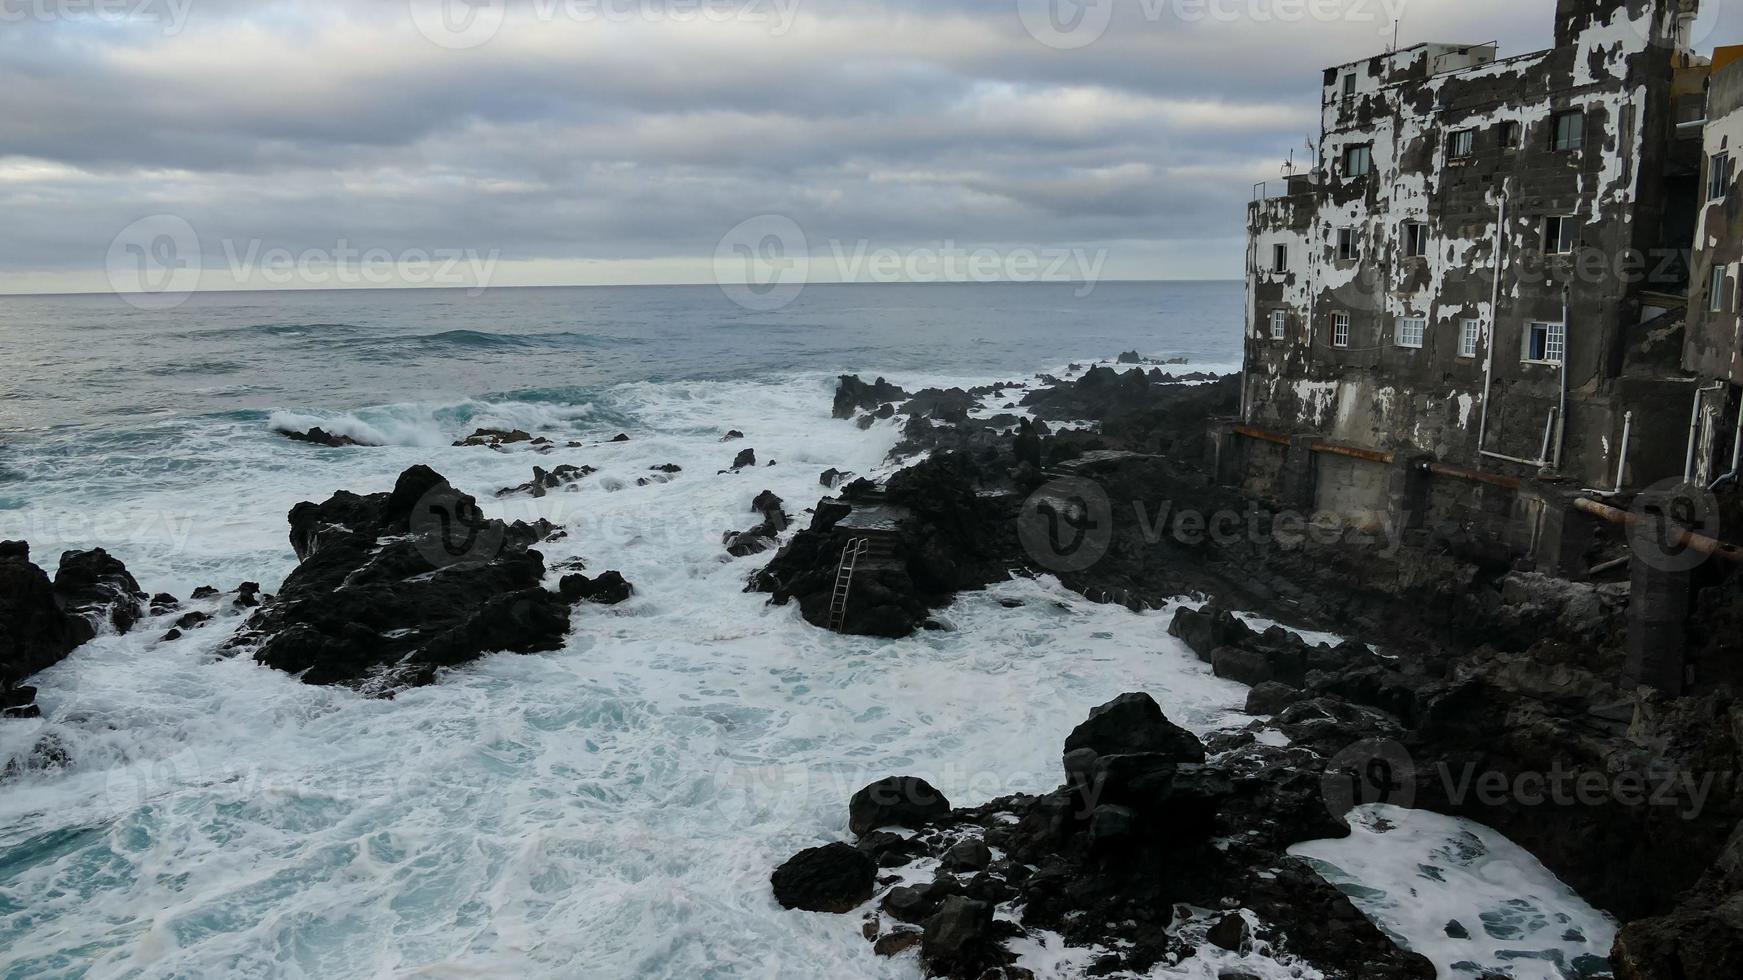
(1395, 22)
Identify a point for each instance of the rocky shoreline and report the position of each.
(1460, 671)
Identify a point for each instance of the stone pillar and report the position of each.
(1300, 489)
(1658, 610)
(1228, 454)
(1563, 535)
(1407, 494)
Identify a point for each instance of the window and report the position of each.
(1358, 160)
(1569, 131)
(1507, 134)
(1279, 258)
(1350, 85)
(1415, 239)
(1349, 248)
(1464, 143)
(1558, 234)
(1716, 290)
(1410, 330)
(1469, 331)
(1545, 342)
(1279, 322)
(1340, 330)
(1718, 172)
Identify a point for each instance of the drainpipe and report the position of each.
(1561, 409)
(1494, 325)
(1736, 451)
(1688, 466)
(1621, 464)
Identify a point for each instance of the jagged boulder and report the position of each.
(544, 481)
(832, 878)
(97, 589)
(392, 587)
(852, 395)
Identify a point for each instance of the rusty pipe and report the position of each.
(1474, 476)
(1353, 452)
(1679, 536)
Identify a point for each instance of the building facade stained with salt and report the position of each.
(1495, 262)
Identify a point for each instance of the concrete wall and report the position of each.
(1713, 349)
(1614, 64)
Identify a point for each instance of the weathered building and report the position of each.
(1714, 347)
(1489, 261)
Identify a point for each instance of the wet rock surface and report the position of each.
(393, 587)
(42, 621)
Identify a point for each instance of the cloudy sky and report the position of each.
(600, 141)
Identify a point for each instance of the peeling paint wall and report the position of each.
(1714, 348)
(1406, 111)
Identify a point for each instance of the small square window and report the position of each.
(1463, 145)
(1340, 330)
(1279, 258)
(1507, 134)
(1279, 324)
(1358, 160)
(1569, 131)
(1349, 247)
(1545, 342)
(1469, 332)
(1718, 175)
(1415, 239)
(1558, 234)
(1716, 290)
(1411, 330)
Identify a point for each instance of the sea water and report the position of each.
(612, 809)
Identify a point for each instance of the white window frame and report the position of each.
(1349, 237)
(1411, 332)
(1576, 140)
(1358, 151)
(1567, 228)
(1718, 169)
(1462, 145)
(1470, 335)
(1340, 330)
(1279, 324)
(1716, 288)
(1279, 258)
(1415, 239)
(1554, 342)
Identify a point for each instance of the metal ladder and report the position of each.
(844, 582)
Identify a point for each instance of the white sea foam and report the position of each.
(609, 810)
(1462, 895)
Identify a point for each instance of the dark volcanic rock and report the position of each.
(392, 587)
(947, 537)
(98, 589)
(832, 878)
(34, 632)
(762, 537)
(959, 939)
(896, 801)
(852, 394)
(495, 437)
(745, 458)
(1131, 724)
(544, 481)
(318, 436)
(608, 589)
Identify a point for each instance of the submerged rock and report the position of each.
(544, 481)
(318, 436)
